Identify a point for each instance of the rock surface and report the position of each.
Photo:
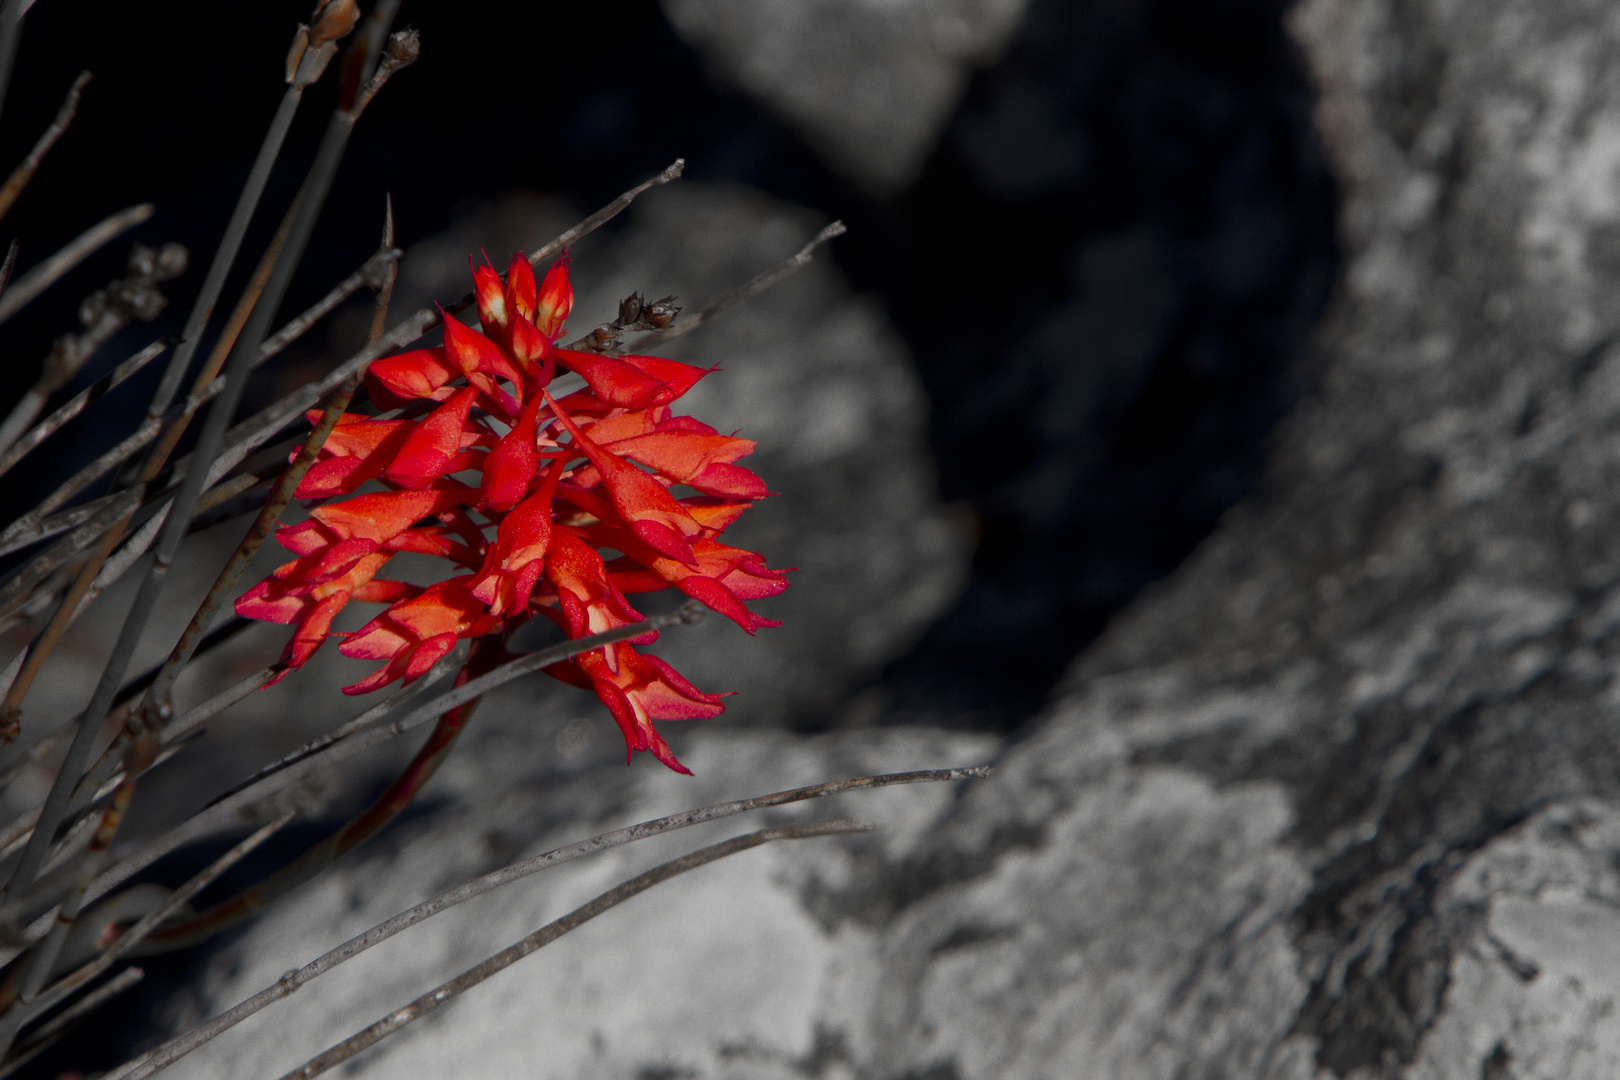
(1339, 799)
(869, 82)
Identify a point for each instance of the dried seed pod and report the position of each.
(660, 313)
(630, 308)
(334, 19)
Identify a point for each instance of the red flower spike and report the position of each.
(675, 377)
(530, 346)
(714, 515)
(379, 516)
(310, 633)
(555, 300)
(285, 598)
(699, 461)
(651, 512)
(355, 452)
(618, 381)
(480, 359)
(723, 578)
(530, 545)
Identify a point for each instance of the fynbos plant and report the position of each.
(558, 483)
(546, 499)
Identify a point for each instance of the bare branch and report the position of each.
(13, 187)
(435, 674)
(744, 292)
(297, 403)
(368, 275)
(11, 18)
(158, 697)
(30, 522)
(222, 814)
(26, 1011)
(182, 1045)
(311, 198)
(10, 265)
(80, 401)
(544, 936)
(103, 313)
(57, 1026)
(87, 243)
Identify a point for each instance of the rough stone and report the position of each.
(869, 82)
(1341, 798)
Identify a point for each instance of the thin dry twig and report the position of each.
(181, 1045)
(11, 18)
(371, 274)
(297, 403)
(13, 187)
(53, 1029)
(544, 936)
(311, 198)
(103, 313)
(753, 288)
(10, 265)
(27, 529)
(80, 401)
(28, 1010)
(157, 700)
(222, 814)
(87, 243)
(435, 674)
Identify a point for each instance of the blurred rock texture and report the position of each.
(868, 82)
(1338, 799)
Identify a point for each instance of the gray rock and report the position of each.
(1341, 798)
(870, 83)
(724, 972)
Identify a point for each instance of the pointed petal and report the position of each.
(395, 381)
(555, 300)
(650, 511)
(435, 440)
(521, 293)
(493, 313)
(510, 466)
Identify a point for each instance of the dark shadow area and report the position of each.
(1106, 274)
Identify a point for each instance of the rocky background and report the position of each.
(1334, 798)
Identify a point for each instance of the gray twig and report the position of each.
(311, 198)
(53, 1029)
(10, 265)
(299, 401)
(544, 936)
(43, 276)
(223, 813)
(13, 187)
(23, 1012)
(79, 402)
(753, 288)
(181, 1045)
(11, 18)
(103, 313)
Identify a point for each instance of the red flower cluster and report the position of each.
(567, 479)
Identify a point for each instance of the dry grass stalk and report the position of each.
(13, 187)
